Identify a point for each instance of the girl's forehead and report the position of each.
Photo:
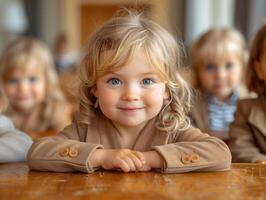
(220, 47)
(222, 55)
(138, 61)
(30, 67)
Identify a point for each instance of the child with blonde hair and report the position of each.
(14, 144)
(133, 109)
(218, 59)
(30, 86)
(248, 131)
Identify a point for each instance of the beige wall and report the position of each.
(70, 10)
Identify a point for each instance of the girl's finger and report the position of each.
(137, 162)
(140, 156)
(122, 164)
(129, 162)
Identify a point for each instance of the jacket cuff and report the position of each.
(172, 159)
(89, 168)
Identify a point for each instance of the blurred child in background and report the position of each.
(248, 131)
(30, 84)
(218, 59)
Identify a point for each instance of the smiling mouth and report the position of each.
(131, 109)
(22, 98)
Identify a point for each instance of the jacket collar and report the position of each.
(257, 115)
(147, 138)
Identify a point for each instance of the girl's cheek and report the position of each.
(41, 92)
(156, 95)
(8, 90)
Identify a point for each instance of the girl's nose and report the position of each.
(130, 94)
(23, 86)
(221, 73)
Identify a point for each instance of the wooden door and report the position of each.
(92, 16)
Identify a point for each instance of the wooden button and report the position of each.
(64, 152)
(194, 158)
(73, 152)
(185, 159)
(261, 161)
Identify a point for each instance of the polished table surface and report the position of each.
(243, 181)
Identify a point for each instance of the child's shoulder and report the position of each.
(250, 104)
(5, 122)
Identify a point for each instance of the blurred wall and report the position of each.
(186, 19)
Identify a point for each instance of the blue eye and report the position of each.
(229, 65)
(147, 81)
(210, 67)
(33, 79)
(114, 81)
(12, 81)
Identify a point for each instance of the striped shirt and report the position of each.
(221, 114)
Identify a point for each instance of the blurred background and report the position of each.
(74, 20)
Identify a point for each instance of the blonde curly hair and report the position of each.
(114, 45)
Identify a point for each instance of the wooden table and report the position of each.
(244, 181)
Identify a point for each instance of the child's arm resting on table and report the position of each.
(65, 152)
(193, 150)
(14, 145)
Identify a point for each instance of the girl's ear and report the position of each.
(95, 91)
(258, 70)
(166, 93)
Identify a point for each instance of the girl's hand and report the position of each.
(153, 160)
(124, 159)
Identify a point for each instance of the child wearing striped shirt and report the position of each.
(218, 57)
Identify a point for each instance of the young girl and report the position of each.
(14, 144)
(248, 131)
(133, 106)
(218, 57)
(30, 83)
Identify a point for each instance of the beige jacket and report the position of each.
(199, 114)
(248, 131)
(71, 149)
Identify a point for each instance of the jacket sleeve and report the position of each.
(241, 141)
(14, 145)
(66, 152)
(193, 150)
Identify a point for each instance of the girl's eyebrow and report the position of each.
(149, 73)
(140, 74)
